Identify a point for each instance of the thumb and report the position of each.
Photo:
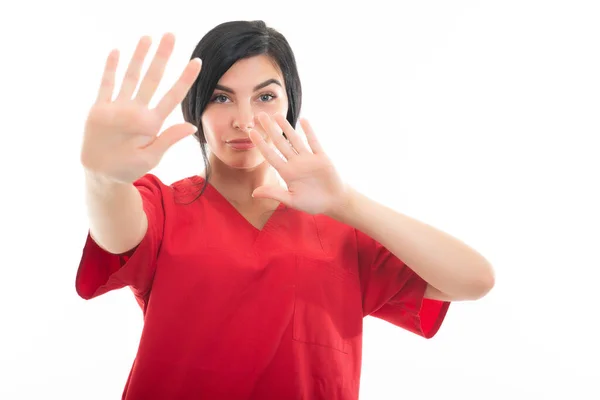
(273, 192)
(172, 135)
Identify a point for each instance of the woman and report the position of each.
(250, 288)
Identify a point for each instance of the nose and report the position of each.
(244, 119)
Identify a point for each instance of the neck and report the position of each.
(237, 184)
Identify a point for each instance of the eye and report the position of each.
(219, 98)
(266, 97)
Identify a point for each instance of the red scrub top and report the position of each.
(234, 312)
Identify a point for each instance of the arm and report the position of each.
(452, 270)
(117, 219)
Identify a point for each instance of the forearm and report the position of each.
(116, 215)
(440, 259)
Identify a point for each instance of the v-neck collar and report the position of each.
(267, 226)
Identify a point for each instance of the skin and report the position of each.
(231, 115)
(121, 143)
(247, 178)
(453, 270)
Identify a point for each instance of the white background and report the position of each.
(478, 117)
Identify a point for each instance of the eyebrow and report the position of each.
(257, 87)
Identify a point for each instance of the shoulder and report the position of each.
(188, 184)
(333, 233)
(330, 225)
(181, 191)
(182, 186)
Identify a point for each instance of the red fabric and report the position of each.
(233, 312)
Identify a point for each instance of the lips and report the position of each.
(236, 141)
(241, 144)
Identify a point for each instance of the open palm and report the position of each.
(314, 185)
(121, 138)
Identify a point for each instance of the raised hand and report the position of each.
(121, 139)
(314, 185)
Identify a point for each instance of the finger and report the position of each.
(171, 136)
(291, 134)
(156, 70)
(132, 75)
(177, 93)
(267, 151)
(274, 132)
(273, 192)
(107, 86)
(313, 142)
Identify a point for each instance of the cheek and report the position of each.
(284, 108)
(281, 106)
(274, 107)
(213, 125)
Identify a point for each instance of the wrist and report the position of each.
(345, 205)
(102, 185)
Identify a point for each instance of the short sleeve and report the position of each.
(393, 292)
(100, 271)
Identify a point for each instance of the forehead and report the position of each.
(248, 72)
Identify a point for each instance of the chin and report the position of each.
(244, 162)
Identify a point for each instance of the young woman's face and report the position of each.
(250, 86)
